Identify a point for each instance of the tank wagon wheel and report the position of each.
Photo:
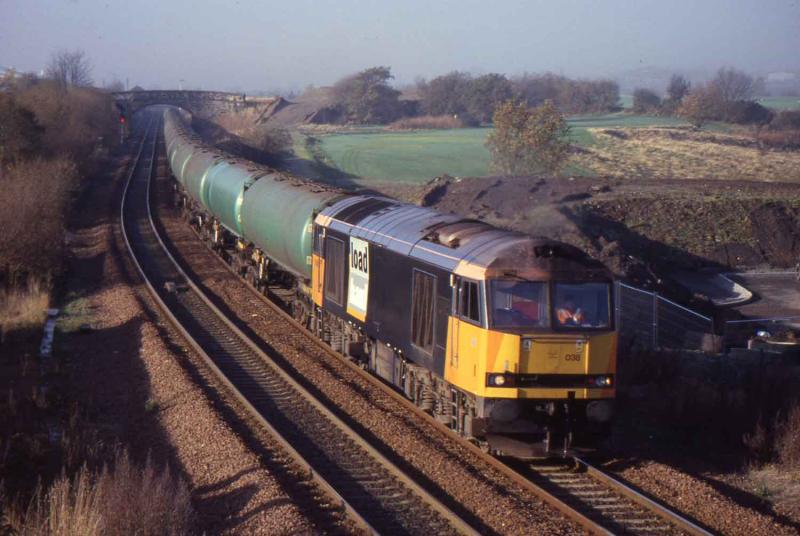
(300, 312)
(253, 279)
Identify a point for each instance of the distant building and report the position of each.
(783, 76)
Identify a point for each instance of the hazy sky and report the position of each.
(250, 44)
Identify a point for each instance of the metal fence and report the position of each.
(646, 320)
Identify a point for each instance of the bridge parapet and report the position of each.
(205, 104)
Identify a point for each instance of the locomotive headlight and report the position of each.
(499, 380)
(603, 381)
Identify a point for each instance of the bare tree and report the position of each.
(734, 85)
(678, 88)
(70, 68)
(645, 101)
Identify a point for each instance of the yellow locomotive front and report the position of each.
(532, 339)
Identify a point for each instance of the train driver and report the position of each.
(569, 314)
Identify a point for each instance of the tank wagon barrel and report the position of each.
(278, 211)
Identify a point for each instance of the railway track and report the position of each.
(612, 505)
(376, 495)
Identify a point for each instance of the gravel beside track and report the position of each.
(703, 501)
(473, 490)
(145, 389)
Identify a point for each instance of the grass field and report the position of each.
(418, 156)
(781, 103)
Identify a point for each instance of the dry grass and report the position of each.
(239, 122)
(120, 499)
(22, 308)
(427, 122)
(787, 443)
(245, 124)
(675, 153)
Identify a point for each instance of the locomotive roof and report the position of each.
(466, 247)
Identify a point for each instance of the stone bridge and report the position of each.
(206, 104)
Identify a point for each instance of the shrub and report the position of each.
(271, 140)
(747, 113)
(528, 140)
(786, 120)
(20, 136)
(75, 121)
(23, 307)
(428, 122)
(700, 106)
(787, 442)
(646, 101)
(121, 499)
(677, 88)
(33, 204)
(779, 139)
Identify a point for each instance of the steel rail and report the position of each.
(359, 519)
(649, 504)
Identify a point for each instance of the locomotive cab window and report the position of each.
(334, 270)
(582, 305)
(518, 304)
(468, 301)
(423, 296)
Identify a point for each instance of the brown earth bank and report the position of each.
(127, 384)
(642, 229)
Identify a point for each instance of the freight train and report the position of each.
(506, 338)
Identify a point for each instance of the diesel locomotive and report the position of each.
(506, 338)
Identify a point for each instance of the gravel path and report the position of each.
(475, 491)
(140, 389)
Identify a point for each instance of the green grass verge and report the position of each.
(418, 156)
(781, 103)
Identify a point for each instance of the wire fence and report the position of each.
(648, 321)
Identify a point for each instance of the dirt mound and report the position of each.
(279, 104)
(305, 107)
(777, 233)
